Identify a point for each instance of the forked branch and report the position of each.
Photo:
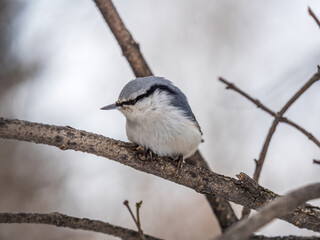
(272, 113)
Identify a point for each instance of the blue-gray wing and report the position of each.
(180, 101)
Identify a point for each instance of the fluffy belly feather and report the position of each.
(164, 138)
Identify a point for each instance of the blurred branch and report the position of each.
(244, 228)
(260, 237)
(268, 110)
(222, 208)
(263, 153)
(130, 48)
(316, 161)
(313, 16)
(201, 180)
(61, 220)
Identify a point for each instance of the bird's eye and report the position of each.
(132, 101)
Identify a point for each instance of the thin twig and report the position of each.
(126, 203)
(272, 113)
(316, 161)
(138, 206)
(62, 220)
(200, 179)
(222, 208)
(263, 153)
(266, 144)
(136, 220)
(244, 228)
(313, 16)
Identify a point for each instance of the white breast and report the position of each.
(162, 128)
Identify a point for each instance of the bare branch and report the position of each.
(200, 179)
(263, 153)
(131, 51)
(138, 206)
(261, 237)
(130, 48)
(266, 144)
(313, 16)
(316, 161)
(244, 228)
(220, 207)
(272, 113)
(61, 220)
(136, 220)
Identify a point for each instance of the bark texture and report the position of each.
(200, 179)
(61, 220)
(243, 229)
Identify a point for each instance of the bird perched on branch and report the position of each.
(159, 117)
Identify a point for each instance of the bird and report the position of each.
(158, 117)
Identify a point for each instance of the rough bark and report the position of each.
(61, 220)
(244, 228)
(200, 179)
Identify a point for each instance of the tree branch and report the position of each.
(200, 179)
(273, 127)
(130, 48)
(222, 208)
(243, 229)
(260, 237)
(61, 220)
(313, 16)
(272, 113)
(263, 153)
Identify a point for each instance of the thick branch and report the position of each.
(272, 113)
(222, 208)
(200, 179)
(61, 220)
(130, 48)
(243, 229)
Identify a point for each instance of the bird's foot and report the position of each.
(178, 159)
(144, 154)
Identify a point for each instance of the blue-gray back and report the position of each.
(147, 85)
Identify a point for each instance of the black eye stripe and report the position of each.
(147, 94)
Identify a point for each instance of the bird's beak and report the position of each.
(110, 107)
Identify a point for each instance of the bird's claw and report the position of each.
(143, 153)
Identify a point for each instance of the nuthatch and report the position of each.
(159, 117)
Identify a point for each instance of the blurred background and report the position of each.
(60, 63)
